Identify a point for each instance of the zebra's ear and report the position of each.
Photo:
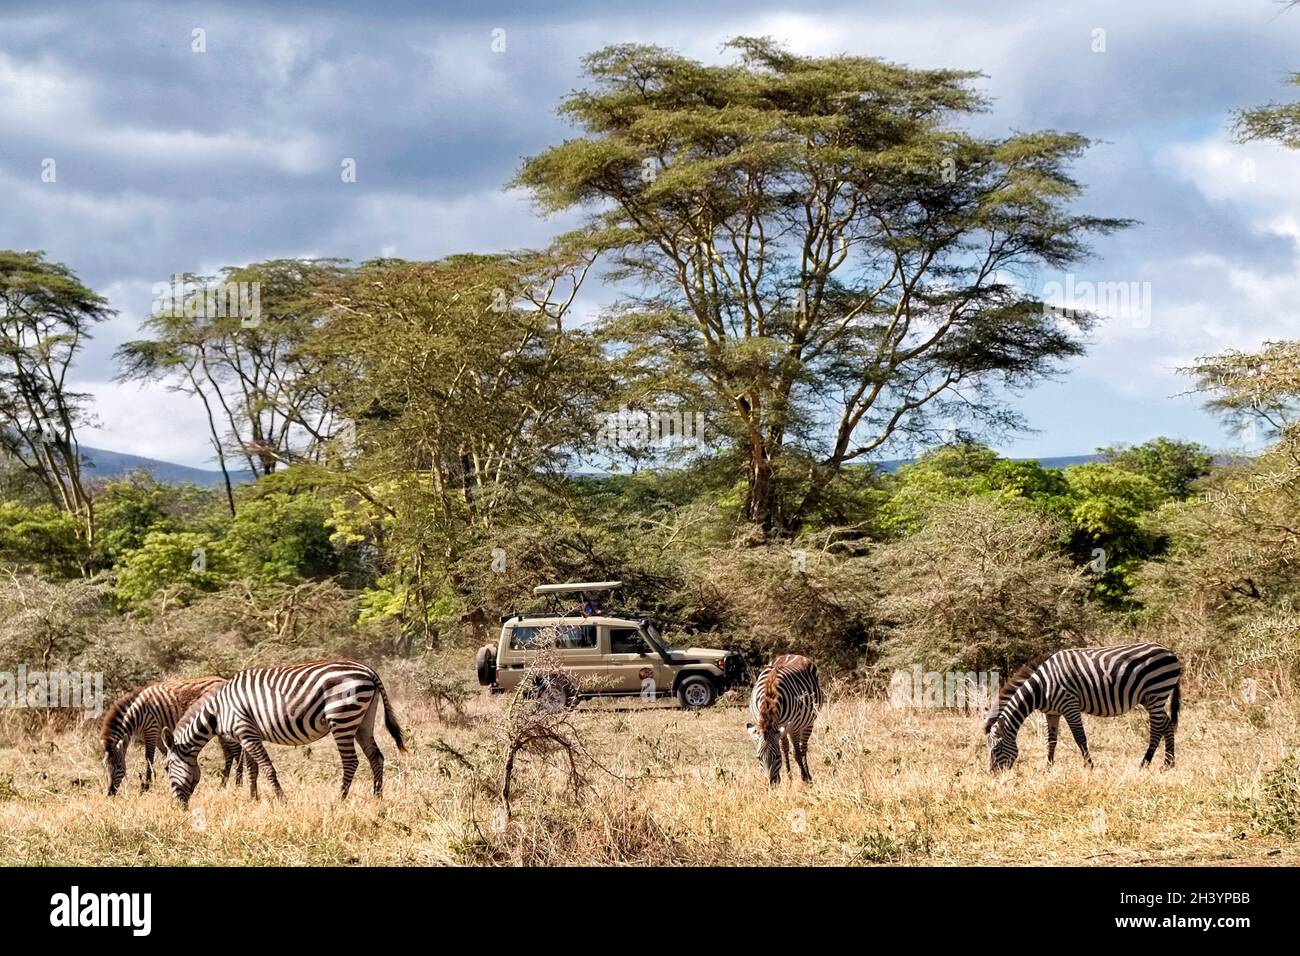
(168, 740)
(121, 744)
(751, 730)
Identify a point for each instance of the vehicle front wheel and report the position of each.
(696, 692)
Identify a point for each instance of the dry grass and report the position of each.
(891, 786)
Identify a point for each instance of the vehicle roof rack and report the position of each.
(577, 588)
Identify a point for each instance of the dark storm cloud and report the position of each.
(171, 160)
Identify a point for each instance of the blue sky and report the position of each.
(169, 160)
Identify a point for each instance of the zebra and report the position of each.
(784, 706)
(147, 712)
(1098, 681)
(292, 705)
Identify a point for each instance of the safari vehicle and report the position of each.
(609, 654)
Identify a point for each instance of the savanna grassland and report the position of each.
(892, 786)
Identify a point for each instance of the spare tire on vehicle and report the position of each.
(485, 663)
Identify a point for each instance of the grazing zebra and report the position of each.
(147, 712)
(784, 706)
(292, 705)
(1098, 681)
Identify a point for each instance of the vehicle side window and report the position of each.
(525, 638)
(567, 637)
(576, 637)
(626, 640)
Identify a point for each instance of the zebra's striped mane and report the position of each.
(1012, 685)
(115, 710)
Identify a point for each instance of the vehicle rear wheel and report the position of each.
(485, 663)
(696, 692)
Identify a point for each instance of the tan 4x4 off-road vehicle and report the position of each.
(607, 654)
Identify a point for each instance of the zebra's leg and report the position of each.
(150, 748)
(1170, 727)
(801, 753)
(256, 751)
(1156, 712)
(366, 737)
(252, 773)
(346, 741)
(230, 750)
(1053, 732)
(1076, 728)
(785, 751)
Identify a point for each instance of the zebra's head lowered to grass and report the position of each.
(1015, 700)
(768, 745)
(115, 763)
(1003, 748)
(182, 765)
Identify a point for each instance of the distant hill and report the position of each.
(1062, 461)
(100, 463)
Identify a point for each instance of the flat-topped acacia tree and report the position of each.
(817, 254)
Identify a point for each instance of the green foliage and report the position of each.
(954, 472)
(280, 538)
(41, 537)
(127, 510)
(1174, 466)
(1110, 531)
(1275, 122)
(186, 560)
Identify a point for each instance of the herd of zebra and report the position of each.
(299, 704)
(292, 705)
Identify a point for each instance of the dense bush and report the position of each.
(981, 586)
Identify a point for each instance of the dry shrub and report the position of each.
(784, 599)
(1275, 811)
(982, 586)
(46, 624)
(445, 688)
(538, 722)
(613, 829)
(241, 627)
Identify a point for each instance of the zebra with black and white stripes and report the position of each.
(145, 713)
(1098, 681)
(293, 705)
(784, 706)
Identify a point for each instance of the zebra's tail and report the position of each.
(1175, 701)
(390, 719)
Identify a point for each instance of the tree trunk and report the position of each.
(760, 506)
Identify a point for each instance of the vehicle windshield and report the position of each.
(655, 637)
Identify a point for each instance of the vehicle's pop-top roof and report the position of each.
(577, 588)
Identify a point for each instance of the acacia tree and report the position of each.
(461, 386)
(1253, 391)
(261, 393)
(46, 315)
(827, 259)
